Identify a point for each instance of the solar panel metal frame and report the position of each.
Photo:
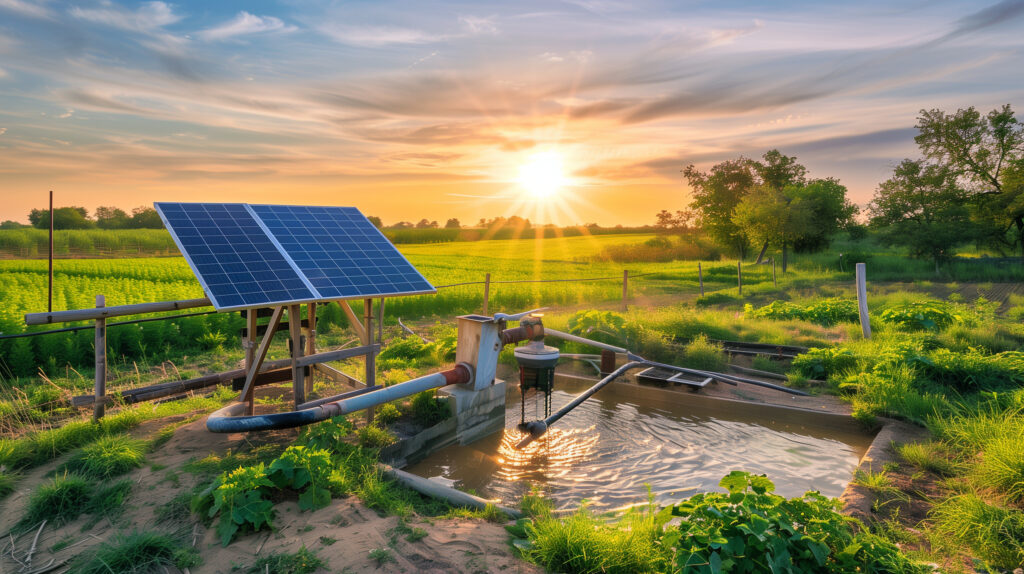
(281, 252)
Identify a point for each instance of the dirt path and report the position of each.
(343, 534)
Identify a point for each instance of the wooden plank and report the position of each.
(337, 355)
(354, 321)
(248, 340)
(236, 377)
(262, 329)
(247, 395)
(298, 376)
(100, 388)
(310, 341)
(115, 311)
(487, 293)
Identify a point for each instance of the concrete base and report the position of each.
(478, 413)
(475, 415)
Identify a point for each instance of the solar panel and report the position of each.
(265, 255)
(236, 262)
(341, 253)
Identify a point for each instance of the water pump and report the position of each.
(536, 364)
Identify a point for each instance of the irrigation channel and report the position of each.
(626, 436)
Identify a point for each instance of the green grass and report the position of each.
(991, 532)
(61, 500)
(109, 456)
(8, 480)
(929, 456)
(301, 562)
(136, 553)
(374, 437)
(381, 556)
(705, 355)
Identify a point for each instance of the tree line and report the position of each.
(78, 218)
(968, 187)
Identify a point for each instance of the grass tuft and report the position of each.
(930, 456)
(109, 456)
(61, 500)
(136, 553)
(301, 562)
(993, 533)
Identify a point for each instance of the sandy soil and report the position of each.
(343, 534)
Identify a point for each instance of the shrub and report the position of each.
(921, 316)
(136, 553)
(305, 469)
(824, 362)
(603, 326)
(705, 355)
(769, 533)
(237, 497)
(386, 414)
(326, 435)
(971, 370)
(109, 456)
(428, 410)
(824, 312)
(374, 437)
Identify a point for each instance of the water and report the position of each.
(606, 449)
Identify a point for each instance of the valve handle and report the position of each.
(499, 317)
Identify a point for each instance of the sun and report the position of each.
(543, 176)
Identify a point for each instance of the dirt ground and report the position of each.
(343, 534)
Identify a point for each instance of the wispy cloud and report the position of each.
(148, 17)
(245, 24)
(30, 9)
(3, 131)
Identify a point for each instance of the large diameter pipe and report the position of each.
(114, 311)
(436, 490)
(226, 419)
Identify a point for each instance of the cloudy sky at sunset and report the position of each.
(417, 109)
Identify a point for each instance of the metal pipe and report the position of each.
(226, 419)
(575, 339)
(115, 311)
(338, 397)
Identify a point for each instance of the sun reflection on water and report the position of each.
(552, 456)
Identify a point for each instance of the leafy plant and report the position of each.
(109, 456)
(305, 469)
(604, 326)
(302, 562)
(326, 435)
(386, 414)
(824, 312)
(750, 529)
(823, 362)
(374, 437)
(237, 497)
(428, 410)
(921, 316)
(703, 354)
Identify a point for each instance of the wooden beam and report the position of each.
(354, 321)
(115, 311)
(336, 355)
(371, 358)
(249, 342)
(247, 391)
(310, 340)
(295, 330)
(337, 376)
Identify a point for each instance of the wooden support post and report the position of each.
(310, 341)
(862, 300)
(246, 395)
(101, 362)
(700, 278)
(250, 337)
(775, 280)
(625, 288)
(354, 321)
(607, 362)
(380, 322)
(487, 293)
(371, 358)
(739, 276)
(295, 331)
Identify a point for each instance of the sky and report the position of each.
(411, 110)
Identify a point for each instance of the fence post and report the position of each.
(371, 357)
(101, 362)
(700, 278)
(862, 300)
(774, 280)
(739, 276)
(487, 292)
(625, 288)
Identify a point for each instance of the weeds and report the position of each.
(381, 556)
(993, 533)
(109, 456)
(61, 500)
(929, 456)
(136, 553)
(301, 562)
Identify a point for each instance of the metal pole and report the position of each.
(487, 292)
(862, 300)
(100, 389)
(298, 372)
(739, 276)
(700, 278)
(371, 357)
(625, 288)
(49, 296)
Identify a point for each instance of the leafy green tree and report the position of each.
(9, 224)
(111, 218)
(922, 208)
(778, 171)
(679, 222)
(452, 224)
(829, 208)
(145, 218)
(772, 216)
(716, 194)
(986, 155)
(63, 218)
(376, 221)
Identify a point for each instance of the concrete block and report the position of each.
(478, 413)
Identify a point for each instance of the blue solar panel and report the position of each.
(341, 253)
(266, 255)
(236, 262)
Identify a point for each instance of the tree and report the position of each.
(403, 225)
(830, 212)
(680, 221)
(63, 218)
(10, 224)
(452, 224)
(375, 221)
(771, 216)
(426, 224)
(922, 207)
(715, 196)
(986, 155)
(145, 218)
(778, 171)
(111, 218)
